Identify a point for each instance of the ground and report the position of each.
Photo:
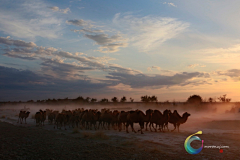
(26, 141)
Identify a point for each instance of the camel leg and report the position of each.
(178, 127)
(119, 126)
(146, 126)
(133, 128)
(174, 127)
(166, 125)
(155, 128)
(127, 127)
(25, 121)
(99, 124)
(151, 124)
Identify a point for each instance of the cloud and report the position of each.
(233, 73)
(149, 32)
(29, 19)
(221, 55)
(18, 43)
(88, 30)
(108, 44)
(143, 80)
(64, 65)
(80, 7)
(121, 86)
(195, 65)
(56, 9)
(153, 67)
(81, 23)
(15, 82)
(170, 4)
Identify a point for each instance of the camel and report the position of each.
(90, 117)
(51, 118)
(159, 119)
(106, 117)
(40, 117)
(61, 119)
(23, 115)
(122, 119)
(149, 111)
(115, 119)
(137, 117)
(155, 118)
(177, 120)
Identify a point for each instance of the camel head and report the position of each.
(186, 114)
(149, 112)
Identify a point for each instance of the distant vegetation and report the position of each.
(193, 99)
(196, 99)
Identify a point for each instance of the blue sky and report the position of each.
(171, 49)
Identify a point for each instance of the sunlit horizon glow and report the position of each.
(170, 49)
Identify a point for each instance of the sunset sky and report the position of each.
(105, 48)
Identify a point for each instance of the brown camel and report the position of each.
(122, 119)
(115, 119)
(38, 117)
(137, 117)
(155, 118)
(149, 111)
(106, 117)
(23, 115)
(90, 118)
(164, 118)
(61, 120)
(177, 120)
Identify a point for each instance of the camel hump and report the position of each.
(132, 111)
(122, 111)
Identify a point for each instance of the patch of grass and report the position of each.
(75, 130)
(33, 116)
(3, 116)
(96, 135)
(100, 135)
(154, 150)
(127, 143)
(87, 135)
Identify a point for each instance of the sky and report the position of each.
(101, 49)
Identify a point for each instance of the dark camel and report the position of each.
(137, 117)
(177, 120)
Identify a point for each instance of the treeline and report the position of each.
(144, 99)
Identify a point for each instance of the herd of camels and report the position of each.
(88, 118)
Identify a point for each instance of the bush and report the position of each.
(196, 99)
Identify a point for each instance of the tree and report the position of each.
(93, 100)
(123, 99)
(149, 99)
(114, 99)
(195, 99)
(210, 99)
(87, 99)
(224, 99)
(145, 98)
(153, 99)
(131, 99)
(104, 100)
